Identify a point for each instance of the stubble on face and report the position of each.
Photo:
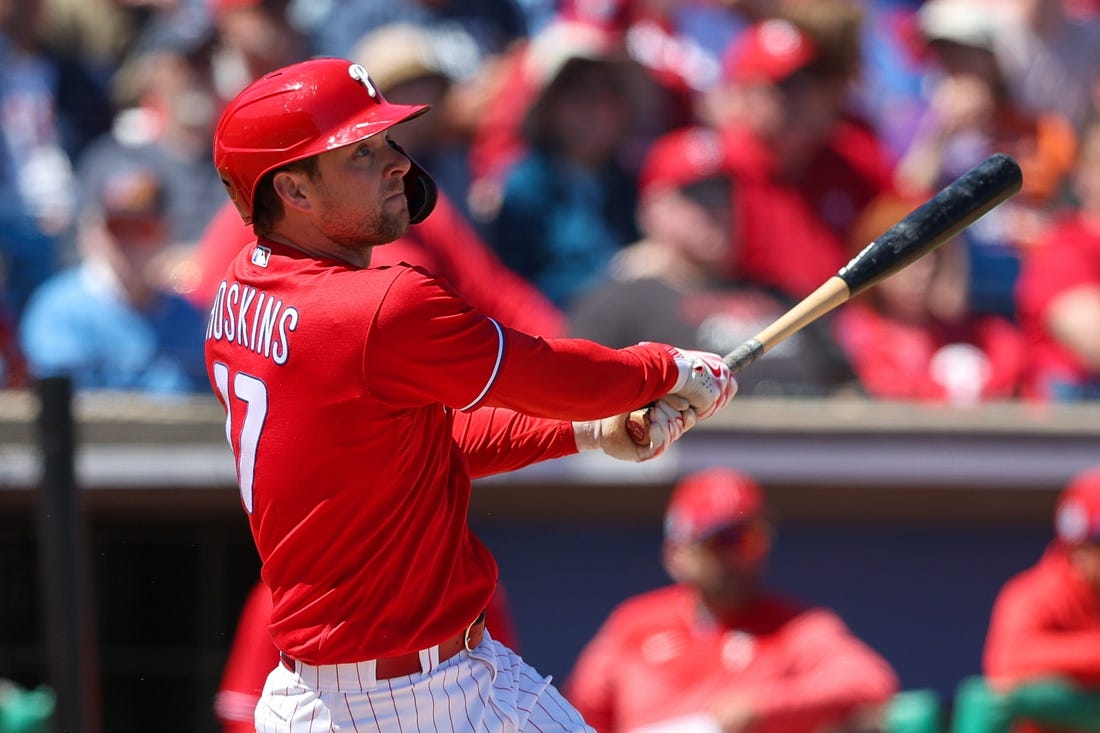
(373, 229)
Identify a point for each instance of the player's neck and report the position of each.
(359, 257)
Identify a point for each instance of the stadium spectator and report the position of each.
(717, 651)
(567, 204)
(109, 322)
(1042, 652)
(1059, 290)
(889, 90)
(803, 168)
(913, 336)
(475, 30)
(253, 37)
(167, 110)
(971, 115)
(35, 169)
(676, 44)
(1050, 58)
(670, 285)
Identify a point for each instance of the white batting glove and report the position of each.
(705, 381)
(668, 419)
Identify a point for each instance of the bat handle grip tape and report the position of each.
(743, 355)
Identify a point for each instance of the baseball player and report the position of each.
(361, 400)
(718, 652)
(1042, 650)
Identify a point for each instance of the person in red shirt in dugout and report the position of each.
(1042, 650)
(717, 652)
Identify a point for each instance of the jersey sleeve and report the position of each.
(495, 440)
(428, 344)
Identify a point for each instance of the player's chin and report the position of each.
(394, 223)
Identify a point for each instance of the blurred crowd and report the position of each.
(622, 170)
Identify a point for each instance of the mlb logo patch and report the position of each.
(260, 256)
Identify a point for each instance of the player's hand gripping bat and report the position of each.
(953, 209)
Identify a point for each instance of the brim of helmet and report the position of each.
(376, 119)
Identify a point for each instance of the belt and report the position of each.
(411, 663)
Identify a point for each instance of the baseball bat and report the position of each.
(950, 211)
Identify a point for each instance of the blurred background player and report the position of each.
(112, 321)
(1042, 652)
(717, 652)
(674, 283)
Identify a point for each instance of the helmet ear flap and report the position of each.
(420, 189)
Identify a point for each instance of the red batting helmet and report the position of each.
(302, 110)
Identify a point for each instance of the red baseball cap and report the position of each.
(682, 157)
(1077, 517)
(768, 51)
(709, 501)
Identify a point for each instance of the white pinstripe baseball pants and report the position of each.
(488, 690)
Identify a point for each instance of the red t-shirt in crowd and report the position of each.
(1066, 257)
(659, 657)
(360, 402)
(795, 234)
(982, 358)
(1045, 622)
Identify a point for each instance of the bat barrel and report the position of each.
(950, 211)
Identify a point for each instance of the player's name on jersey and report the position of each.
(253, 319)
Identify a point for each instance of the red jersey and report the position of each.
(660, 657)
(1066, 257)
(359, 404)
(1045, 621)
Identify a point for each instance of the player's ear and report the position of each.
(674, 557)
(293, 189)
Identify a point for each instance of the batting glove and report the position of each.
(668, 419)
(705, 381)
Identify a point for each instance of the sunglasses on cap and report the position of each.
(750, 539)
